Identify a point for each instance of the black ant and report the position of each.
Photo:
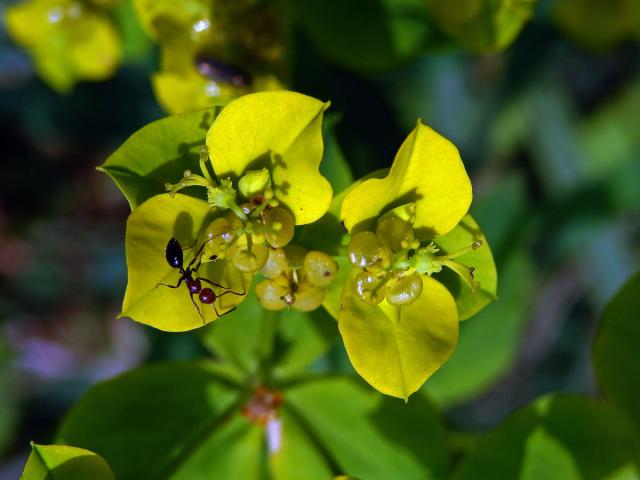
(207, 296)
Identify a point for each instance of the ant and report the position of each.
(207, 296)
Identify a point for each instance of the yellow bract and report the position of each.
(427, 170)
(149, 228)
(68, 40)
(469, 303)
(396, 349)
(280, 131)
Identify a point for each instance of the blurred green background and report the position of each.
(547, 127)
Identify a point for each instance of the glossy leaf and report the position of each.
(469, 302)
(149, 229)
(364, 35)
(281, 131)
(490, 340)
(59, 462)
(300, 338)
(615, 353)
(162, 420)
(69, 41)
(183, 421)
(396, 349)
(158, 153)
(584, 438)
(370, 436)
(427, 170)
(482, 25)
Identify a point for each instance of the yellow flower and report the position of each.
(398, 322)
(69, 40)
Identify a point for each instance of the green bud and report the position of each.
(254, 182)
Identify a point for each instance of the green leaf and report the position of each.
(364, 35)
(299, 456)
(596, 25)
(482, 25)
(236, 337)
(232, 451)
(371, 436)
(159, 153)
(185, 421)
(546, 458)
(427, 171)
(300, 338)
(281, 131)
(396, 349)
(334, 165)
(153, 421)
(589, 435)
(469, 302)
(615, 353)
(490, 341)
(136, 46)
(59, 462)
(149, 229)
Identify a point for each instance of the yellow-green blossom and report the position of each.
(398, 322)
(69, 40)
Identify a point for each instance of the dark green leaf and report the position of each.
(570, 434)
(369, 435)
(364, 35)
(488, 342)
(156, 420)
(616, 355)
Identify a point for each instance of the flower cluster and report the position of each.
(393, 262)
(211, 51)
(69, 40)
(259, 185)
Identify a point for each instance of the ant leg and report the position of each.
(227, 289)
(219, 314)
(171, 286)
(198, 256)
(197, 308)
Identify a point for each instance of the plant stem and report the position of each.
(270, 322)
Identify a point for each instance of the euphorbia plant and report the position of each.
(412, 262)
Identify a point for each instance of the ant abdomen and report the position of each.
(207, 296)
